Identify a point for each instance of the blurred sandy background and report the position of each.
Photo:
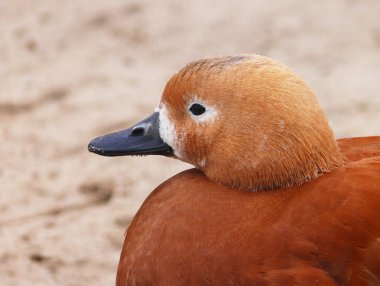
(73, 70)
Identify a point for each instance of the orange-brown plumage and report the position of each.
(275, 199)
(270, 130)
(191, 231)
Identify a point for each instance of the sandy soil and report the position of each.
(73, 70)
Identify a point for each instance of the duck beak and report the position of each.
(140, 139)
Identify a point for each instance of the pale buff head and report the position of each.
(248, 122)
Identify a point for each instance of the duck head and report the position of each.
(246, 121)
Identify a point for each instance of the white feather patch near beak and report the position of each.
(168, 133)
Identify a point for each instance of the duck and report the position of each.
(274, 198)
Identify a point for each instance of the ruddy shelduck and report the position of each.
(274, 198)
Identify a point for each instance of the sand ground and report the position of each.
(72, 70)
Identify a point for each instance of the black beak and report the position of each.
(141, 139)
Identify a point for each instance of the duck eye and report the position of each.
(197, 109)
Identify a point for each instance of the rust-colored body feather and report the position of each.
(191, 231)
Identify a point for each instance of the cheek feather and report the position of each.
(168, 132)
(202, 163)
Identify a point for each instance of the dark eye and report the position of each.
(197, 109)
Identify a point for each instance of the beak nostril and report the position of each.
(138, 131)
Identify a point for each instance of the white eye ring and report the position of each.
(201, 112)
